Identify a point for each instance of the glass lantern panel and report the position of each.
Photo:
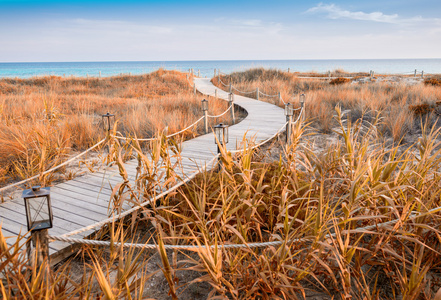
(38, 210)
(226, 135)
(218, 132)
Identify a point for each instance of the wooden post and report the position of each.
(414, 74)
(288, 70)
(303, 112)
(280, 98)
(288, 130)
(422, 74)
(214, 73)
(231, 88)
(40, 240)
(100, 74)
(206, 121)
(199, 73)
(194, 89)
(130, 73)
(302, 106)
(257, 93)
(329, 74)
(231, 102)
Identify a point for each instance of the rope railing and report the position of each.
(176, 133)
(217, 116)
(243, 92)
(268, 95)
(54, 168)
(413, 215)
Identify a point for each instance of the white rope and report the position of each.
(243, 92)
(185, 129)
(54, 168)
(220, 80)
(413, 216)
(221, 113)
(267, 94)
(168, 136)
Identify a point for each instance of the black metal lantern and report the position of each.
(221, 132)
(230, 98)
(204, 105)
(289, 111)
(108, 120)
(38, 208)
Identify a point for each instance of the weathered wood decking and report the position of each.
(85, 200)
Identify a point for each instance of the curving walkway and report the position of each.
(85, 200)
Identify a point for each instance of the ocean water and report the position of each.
(206, 68)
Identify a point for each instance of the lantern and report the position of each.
(108, 120)
(204, 105)
(38, 208)
(221, 132)
(289, 111)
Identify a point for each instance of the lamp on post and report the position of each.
(231, 103)
(221, 138)
(205, 110)
(108, 121)
(39, 218)
(289, 111)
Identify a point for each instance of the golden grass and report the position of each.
(394, 100)
(44, 119)
(314, 204)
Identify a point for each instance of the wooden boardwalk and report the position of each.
(84, 200)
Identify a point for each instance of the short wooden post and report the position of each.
(302, 107)
(257, 93)
(231, 102)
(414, 74)
(100, 74)
(231, 88)
(288, 70)
(194, 89)
(206, 121)
(422, 74)
(218, 76)
(40, 240)
(288, 130)
(280, 98)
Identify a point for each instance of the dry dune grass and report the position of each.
(392, 100)
(318, 206)
(43, 119)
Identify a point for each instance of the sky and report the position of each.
(166, 30)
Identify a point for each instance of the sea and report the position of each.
(207, 68)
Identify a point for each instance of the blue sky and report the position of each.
(202, 30)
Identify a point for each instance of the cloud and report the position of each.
(335, 12)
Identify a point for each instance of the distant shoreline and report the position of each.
(207, 68)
